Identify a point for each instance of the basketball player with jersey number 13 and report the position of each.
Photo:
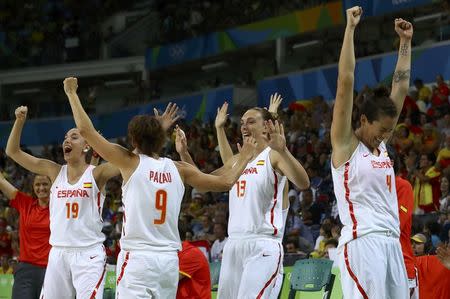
(253, 255)
(369, 254)
(153, 188)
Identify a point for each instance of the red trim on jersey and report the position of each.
(275, 195)
(272, 277)
(98, 204)
(98, 283)
(124, 220)
(352, 275)
(122, 269)
(347, 198)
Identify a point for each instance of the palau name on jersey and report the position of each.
(160, 177)
(251, 170)
(72, 193)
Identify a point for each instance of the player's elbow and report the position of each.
(11, 151)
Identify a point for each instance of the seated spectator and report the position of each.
(293, 223)
(311, 210)
(423, 90)
(291, 247)
(432, 229)
(426, 185)
(331, 244)
(429, 141)
(205, 229)
(325, 235)
(443, 158)
(444, 201)
(219, 243)
(421, 244)
(402, 140)
(443, 89)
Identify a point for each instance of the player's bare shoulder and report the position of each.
(341, 153)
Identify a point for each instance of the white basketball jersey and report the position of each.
(366, 196)
(152, 200)
(255, 201)
(76, 211)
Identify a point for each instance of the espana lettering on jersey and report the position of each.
(160, 177)
(384, 164)
(72, 193)
(251, 170)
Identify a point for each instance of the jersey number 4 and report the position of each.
(161, 205)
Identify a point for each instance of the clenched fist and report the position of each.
(70, 85)
(21, 113)
(354, 16)
(403, 28)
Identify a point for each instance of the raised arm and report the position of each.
(224, 146)
(217, 183)
(182, 147)
(400, 79)
(169, 117)
(282, 160)
(275, 102)
(27, 161)
(341, 127)
(114, 153)
(7, 188)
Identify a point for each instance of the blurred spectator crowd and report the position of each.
(41, 32)
(421, 138)
(201, 17)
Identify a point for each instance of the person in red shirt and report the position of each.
(34, 234)
(434, 277)
(194, 280)
(405, 197)
(444, 91)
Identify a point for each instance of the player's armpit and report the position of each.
(104, 172)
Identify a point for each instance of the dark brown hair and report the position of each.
(377, 105)
(145, 132)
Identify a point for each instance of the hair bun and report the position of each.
(381, 91)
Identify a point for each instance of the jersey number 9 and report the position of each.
(161, 205)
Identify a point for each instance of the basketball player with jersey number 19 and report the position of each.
(369, 253)
(152, 192)
(77, 259)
